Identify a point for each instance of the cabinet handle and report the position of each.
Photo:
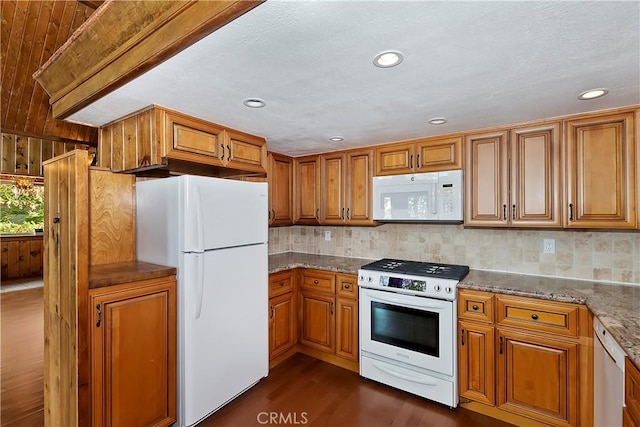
(504, 212)
(222, 146)
(331, 308)
(513, 212)
(475, 307)
(272, 313)
(501, 345)
(274, 214)
(462, 337)
(269, 214)
(99, 315)
(315, 282)
(229, 155)
(318, 213)
(534, 316)
(418, 161)
(570, 211)
(342, 213)
(411, 161)
(348, 213)
(56, 219)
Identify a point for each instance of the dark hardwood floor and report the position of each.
(22, 358)
(300, 391)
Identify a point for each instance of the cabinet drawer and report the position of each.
(318, 281)
(546, 316)
(475, 305)
(280, 283)
(347, 285)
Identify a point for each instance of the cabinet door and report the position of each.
(535, 176)
(192, 139)
(133, 355)
(280, 190)
(317, 321)
(307, 194)
(486, 187)
(439, 154)
(282, 324)
(244, 152)
(347, 285)
(358, 187)
(347, 329)
(600, 174)
(538, 377)
(395, 159)
(332, 183)
(476, 362)
(632, 390)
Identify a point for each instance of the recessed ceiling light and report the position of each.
(336, 138)
(254, 103)
(438, 121)
(593, 93)
(388, 59)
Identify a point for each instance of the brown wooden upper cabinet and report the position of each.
(513, 177)
(421, 155)
(160, 138)
(307, 190)
(345, 182)
(280, 178)
(601, 172)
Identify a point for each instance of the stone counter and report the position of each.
(617, 306)
(289, 260)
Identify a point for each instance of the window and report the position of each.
(21, 205)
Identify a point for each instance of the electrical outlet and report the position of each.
(327, 235)
(549, 246)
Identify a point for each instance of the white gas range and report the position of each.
(407, 326)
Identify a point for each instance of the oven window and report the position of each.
(404, 327)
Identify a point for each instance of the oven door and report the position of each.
(408, 329)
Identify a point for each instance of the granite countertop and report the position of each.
(617, 306)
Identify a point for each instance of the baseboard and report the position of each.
(325, 357)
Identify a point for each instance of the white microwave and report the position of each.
(428, 197)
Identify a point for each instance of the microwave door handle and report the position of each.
(405, 303)
(434, 199)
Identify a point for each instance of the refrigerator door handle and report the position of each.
(198, 219)
(199, 287)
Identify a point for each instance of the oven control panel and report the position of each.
(406, 284)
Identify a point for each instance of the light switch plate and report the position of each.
(327, 235)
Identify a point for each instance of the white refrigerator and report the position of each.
(215, 232)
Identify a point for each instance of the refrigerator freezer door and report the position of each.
(221, 213)
(224, 327)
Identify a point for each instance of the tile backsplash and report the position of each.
(598, 255)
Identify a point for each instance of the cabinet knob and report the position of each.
(56, 219)
(315, 282)
(281, 283)
(534, 316)
(346, 286)
(475, 307)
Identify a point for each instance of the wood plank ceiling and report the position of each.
(31, 32)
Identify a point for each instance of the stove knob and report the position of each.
(362, 278)
(437, 288)
(448, 289)
(369, 279)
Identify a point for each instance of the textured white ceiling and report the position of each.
(478, 64)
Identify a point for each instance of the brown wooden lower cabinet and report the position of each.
(631, 413)
(322, 307)
(133, 353)
(534, 360)
(21, 256)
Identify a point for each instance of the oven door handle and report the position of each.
(405, 303)
(403, 376)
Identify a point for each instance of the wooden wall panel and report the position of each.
(21, 257)
(112, 212)
(31, 32)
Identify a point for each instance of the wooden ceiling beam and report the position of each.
(124, 39)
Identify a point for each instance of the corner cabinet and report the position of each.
(601, 172)
(513, 177)
(541, 351)
(133, 353)
(346, 191)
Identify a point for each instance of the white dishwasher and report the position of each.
(608, 378)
